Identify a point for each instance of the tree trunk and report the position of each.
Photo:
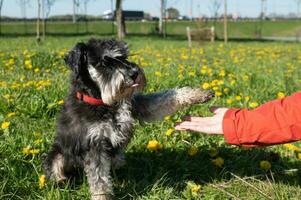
(38, 21)
(1, 3)
(43, 20)
(161, 18)
(162, 28)
(86, 17)
(74, 11)
(23, 12)
(120, 20)
(225, 22)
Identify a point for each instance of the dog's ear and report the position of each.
(76, 59)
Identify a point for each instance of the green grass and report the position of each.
(255, 70)
(178, 29)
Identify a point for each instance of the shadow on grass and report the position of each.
(144, 169)
(168, 167)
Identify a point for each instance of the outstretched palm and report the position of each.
(209, 125)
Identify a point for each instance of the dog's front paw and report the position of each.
(101, 197)
(189, 96)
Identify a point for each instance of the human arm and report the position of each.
(274, 122)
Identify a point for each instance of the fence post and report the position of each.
(212, 38)
(188, 36)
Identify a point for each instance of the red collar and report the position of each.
(89, 100)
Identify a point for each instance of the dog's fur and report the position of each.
(94, 137)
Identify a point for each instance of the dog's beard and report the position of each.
(115, 89)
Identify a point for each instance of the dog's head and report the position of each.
(102, 65)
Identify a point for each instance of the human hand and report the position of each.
(209, 125)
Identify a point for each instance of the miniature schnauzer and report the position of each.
(95, 124)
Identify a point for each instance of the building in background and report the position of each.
(127, 14)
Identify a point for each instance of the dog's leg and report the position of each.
(54, 166)
(97, 167)
(157, 105)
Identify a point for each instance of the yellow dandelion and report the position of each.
(193, 187)
(221, 82)
(184, 57)
(36, 70)
(196, 188)
(26, 150)
(253, 104)
(265, 165)
(158, 74)
(203, 71)
(219, 162)
(215, 88)
(153, 145)
(247, 98)
(245, 77)
(60, 102)
(37, 134)
(206, 86)
(34, 151)
(11, 114)
(222, 73)
(218, 93)
(226, 90)
(238, 98)
(292, 147)
(28, 64)
(213, 152)
(169, 132)
(229, 101)
(192, 151)
(214, 82)
(38, 141)
(167, 118)
(192, 74)
(5, 125)
(42, 181)
(280, 95)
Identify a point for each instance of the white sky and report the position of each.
(250, 8)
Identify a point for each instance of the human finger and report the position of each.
(202, 129)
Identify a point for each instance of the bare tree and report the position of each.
(46, 8)
(38, 21)
(86, 14)
(214, 8)
(162, 18)
(75, 9)
(120, 20)
(225, 22)
(1, 4)
(23, 4)
(298, 2)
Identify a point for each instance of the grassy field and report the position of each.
(178, 29)
(161, 163)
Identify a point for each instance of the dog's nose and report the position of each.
(134, 74)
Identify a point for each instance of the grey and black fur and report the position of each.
(93, 138)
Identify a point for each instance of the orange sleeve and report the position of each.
(274, 122)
